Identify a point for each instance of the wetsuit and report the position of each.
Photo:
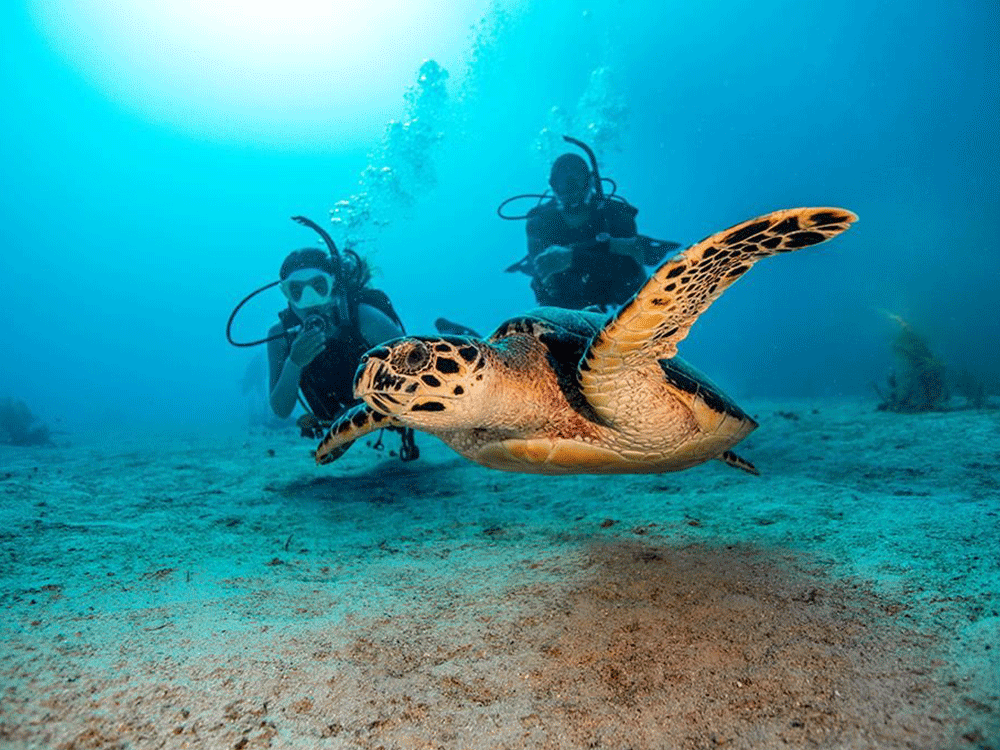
(596, 276)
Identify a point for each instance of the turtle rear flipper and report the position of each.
(738, 462)
(356, 422)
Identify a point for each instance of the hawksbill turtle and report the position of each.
(560, 391)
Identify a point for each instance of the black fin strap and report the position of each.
(408, 450)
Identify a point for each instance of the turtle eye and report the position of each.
(411, 358)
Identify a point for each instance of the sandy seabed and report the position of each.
(223, 592)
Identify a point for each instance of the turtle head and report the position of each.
(427, 383)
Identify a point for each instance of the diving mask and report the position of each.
(572, 190)
(308, 287)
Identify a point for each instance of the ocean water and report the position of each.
(151, 159)
(140, 208)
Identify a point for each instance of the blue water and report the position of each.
(128, 236)
(147, 177)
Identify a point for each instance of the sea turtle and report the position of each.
(569, 392)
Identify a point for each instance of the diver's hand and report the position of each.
(555, 259)
(306, 347)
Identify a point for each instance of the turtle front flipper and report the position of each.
(352, 424)
(649, 326)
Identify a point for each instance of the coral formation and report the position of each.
(16, 422)
(920, 385)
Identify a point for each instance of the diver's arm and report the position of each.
(536, 246)
(285, 364)
(623, 230)
(284, 376)
(536, 249)
(286, 391)
(555, 259)
(375, 326)
(534, 230)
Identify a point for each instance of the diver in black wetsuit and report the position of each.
(333, 317)
(583, 247)
(327, 326)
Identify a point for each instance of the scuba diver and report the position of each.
(333, 317)
(584, 249)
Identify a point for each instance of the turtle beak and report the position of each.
(371, 362)
(382, 389)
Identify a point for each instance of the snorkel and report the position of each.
(595, 173)
(331, 246)
(338, 263)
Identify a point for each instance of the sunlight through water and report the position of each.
(256, 70)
